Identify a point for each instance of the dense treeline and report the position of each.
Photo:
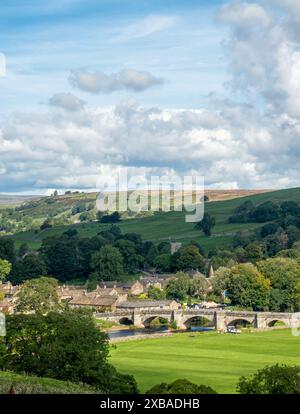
(110, 255)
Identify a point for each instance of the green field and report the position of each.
(204, 358)
(163, 225)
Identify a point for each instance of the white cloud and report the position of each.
(244, 14)
(99, 82)
(254, 144)
(66, 101)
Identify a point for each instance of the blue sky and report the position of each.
(176, 40)
(189, 87)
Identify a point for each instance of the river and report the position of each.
(123, 333)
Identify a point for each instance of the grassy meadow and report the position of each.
(204, 358)
(162, 225)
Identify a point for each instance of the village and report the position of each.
(112, 296)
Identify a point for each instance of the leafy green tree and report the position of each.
(62, 257)
(132, 260)
(109, 218)
(155, 293)
(5, 269)
(266, 211)
(30, 267)
(206, 224)
(7, 250)
(107, 264)
(38, 295)
(276, 379)
(276, 242)
(290, 207)
(188, 258)
(242, 213)
(178, 287)
(253, 252)
(221, 280)
(23, 249)
(46, 225)
(247, 287)
(163, 262)
(222, 258)
(67, 346)
(284, 274)
(180, 386)
(198, 286)
(151, 255)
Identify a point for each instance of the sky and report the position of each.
(160, 87)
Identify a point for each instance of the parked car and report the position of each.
(233, 330)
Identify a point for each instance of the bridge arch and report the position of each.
(244, 321)
(273, 322)
(147, 321)
(125, 321)
(199, 320)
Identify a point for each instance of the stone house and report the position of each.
(133, 287)
(99, 304)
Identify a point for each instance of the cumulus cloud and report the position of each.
(100, 82)
(241, 14)
(265, 56)
(66, 101)
(254, 144)
(64, 150)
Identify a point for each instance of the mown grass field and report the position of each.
(161, 226)
(204, 358)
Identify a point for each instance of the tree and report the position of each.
(178, 287)
(109, 218)
(221, 280)
(67, 346)
(38, 295)
(198, 286)
(23, 249)
(266, 211)
(163, 262)
(107, 264)
(247, 287)
(180, 386)
(5, 269)
(132, 260)
(284, 274)
(206, 224)
(253, 252)
(188, 258)
(62, 257)
(155, 293)
(30, 267)
(290, 208)
(276, 379)
(46, 225)
(7, 250)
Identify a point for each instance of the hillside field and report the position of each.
(164, 225)
(204, 358)
(25, 384)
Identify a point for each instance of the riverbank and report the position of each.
(204, 358)
(138, 337)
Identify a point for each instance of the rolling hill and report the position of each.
(7, 200)
(12, 383)
(164, 225)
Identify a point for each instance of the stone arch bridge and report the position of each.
(220, 319)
